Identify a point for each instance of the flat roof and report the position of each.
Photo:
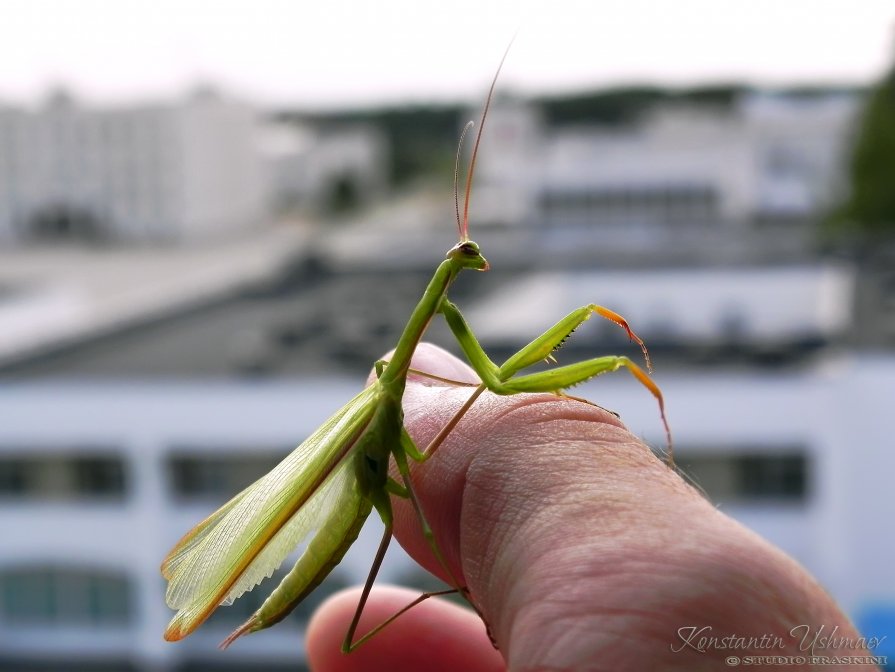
(55, 296)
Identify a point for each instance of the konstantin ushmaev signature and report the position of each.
(807, 639)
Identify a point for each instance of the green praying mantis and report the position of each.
(323, 492)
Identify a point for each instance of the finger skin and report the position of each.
(583, 550)
(433, 636)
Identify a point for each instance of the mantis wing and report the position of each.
(337, 512)
(183, 548)
(246, 540)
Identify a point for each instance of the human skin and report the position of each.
(582, 550)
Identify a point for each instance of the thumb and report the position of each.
(576, 543)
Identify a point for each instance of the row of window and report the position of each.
(128, 189)
(783, 477)
(95, 474)
(748, 475)
(61, 477)
(59, 596)
(56, 596)
(662, 203)
(86, 133)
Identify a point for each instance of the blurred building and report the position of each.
(98, 481)
(55, 299)
(201, 168)
(684, 183)
(757, 315)
(177, 172)
(696, 224)
(324, 171)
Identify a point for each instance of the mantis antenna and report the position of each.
(469, 124)
(464, 226)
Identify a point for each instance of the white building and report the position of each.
(765, 157)
(310, 169)
(98, 480)
(178, 172)
(765, 310)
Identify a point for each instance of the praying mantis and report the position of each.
(323, 492)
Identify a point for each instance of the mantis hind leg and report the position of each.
(383, 506)
(409, 448)
(348, 645)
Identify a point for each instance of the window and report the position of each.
(652, 203)
(779, 477)
(52, 596)
(751, 475)
(98, 475)
(85, 475)
(13, 476)
(216, 476)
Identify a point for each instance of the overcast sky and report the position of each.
(343, 52)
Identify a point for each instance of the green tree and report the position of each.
(869, 208)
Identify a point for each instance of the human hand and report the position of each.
(581, 548)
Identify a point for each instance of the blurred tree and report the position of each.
(869, 208)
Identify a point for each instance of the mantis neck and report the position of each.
(395, 375)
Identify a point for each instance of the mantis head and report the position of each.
(466, 254)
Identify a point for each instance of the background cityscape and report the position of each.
(192, 280)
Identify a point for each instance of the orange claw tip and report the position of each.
(612, 316)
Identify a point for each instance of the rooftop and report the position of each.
(54, 296)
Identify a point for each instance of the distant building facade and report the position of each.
(88, 509)
(175, 172)
(677, 177)
(324, 171)
(98, 479)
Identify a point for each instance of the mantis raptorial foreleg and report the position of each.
(537, 351)
(504, 380)
(542, 347)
